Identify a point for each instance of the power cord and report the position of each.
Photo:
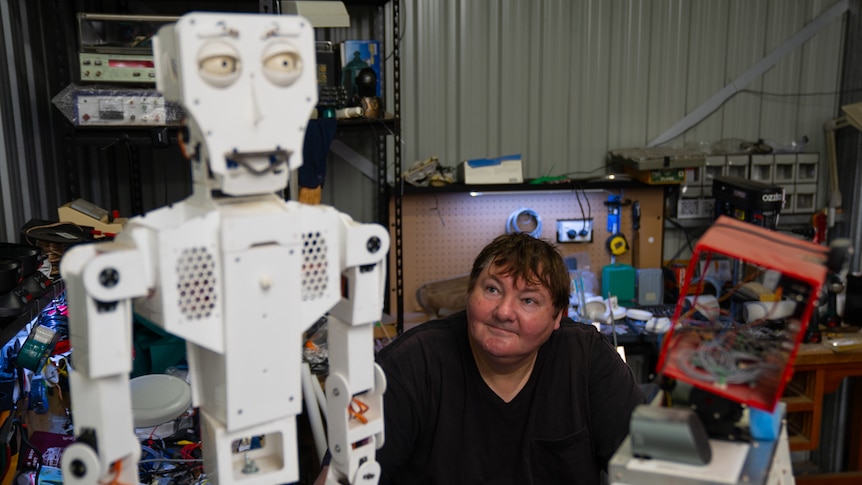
(512, 224)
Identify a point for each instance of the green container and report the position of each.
(618, 280)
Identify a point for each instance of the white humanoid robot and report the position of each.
(235, 270)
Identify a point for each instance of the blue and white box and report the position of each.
(502, 170)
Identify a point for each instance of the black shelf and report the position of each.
(31, 311)
(530, 187)
(158, 135)
(372, 3)
(134, 135)
(381, 126)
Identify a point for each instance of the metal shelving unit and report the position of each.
(392, 125)
(9, 330)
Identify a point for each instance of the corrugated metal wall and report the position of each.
(559, 81)
(562, 82)
(29, 182)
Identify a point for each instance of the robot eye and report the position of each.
(219, 64)
(282, 64)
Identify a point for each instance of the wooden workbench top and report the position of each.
(836, 348)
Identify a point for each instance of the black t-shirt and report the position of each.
(444, 425)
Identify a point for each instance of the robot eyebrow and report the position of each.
(274, 31)
(224, 31)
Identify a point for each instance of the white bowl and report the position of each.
(595, 309)
(638, 315)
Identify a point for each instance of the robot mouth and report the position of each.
(259, 162)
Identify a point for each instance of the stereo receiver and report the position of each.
(118, 48)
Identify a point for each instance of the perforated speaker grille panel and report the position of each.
(315, 266)
(196, 283)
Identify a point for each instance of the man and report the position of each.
(509, 390)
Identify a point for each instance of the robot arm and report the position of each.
(355, 385)
(101, 280)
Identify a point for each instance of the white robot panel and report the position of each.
(240, 82)
(187, 299)
(234, 269)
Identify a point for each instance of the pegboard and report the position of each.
(444, 231)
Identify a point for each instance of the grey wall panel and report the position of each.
(708, 23)
(559, 81)
(819, 55)
(745, 46)
(30, 182)
(785, 18)
(350, 191)
(629, 74)
(562, 82)
(668, 57)
(512, 69)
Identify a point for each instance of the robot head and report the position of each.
(247, 85)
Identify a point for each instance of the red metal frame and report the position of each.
(800, 260)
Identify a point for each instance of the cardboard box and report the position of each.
(502, 170)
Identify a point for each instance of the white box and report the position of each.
(806, 168)
(805, 199)
(688, 208)
(789, 199)
(319, 13)
(122, 108)
(713, 167)
(690, 191)
(502, 170)
(707, 207)
(693, 176)
(785, 169)
(761, 168)
(715, 161)
(737, 166)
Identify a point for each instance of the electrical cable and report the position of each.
(178, 460)
(714, 361)
(583, 214)
(589, 207)
(398, 40)
(512, 226)
(796, 95)
(54, 239)
(736, 92)
(172, 460)
(22, 431)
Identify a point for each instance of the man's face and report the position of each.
(509, 321)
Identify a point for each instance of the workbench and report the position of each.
(819, 369)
